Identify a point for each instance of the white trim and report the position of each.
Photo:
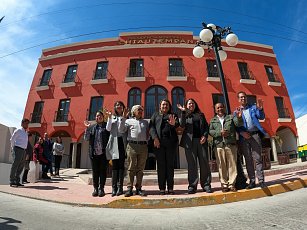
(281, 120)
(67, 84)
(133, 79)
(177, 78)
(149, 33)
(213, 79)
(42, 88)
(243, 43)
(35, 125)
(99, 81)
(54, 124)
(248, 81)
(248, 51)
(271, 83)
(81, 43)
(148, 46)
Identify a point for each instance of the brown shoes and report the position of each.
(230, 189)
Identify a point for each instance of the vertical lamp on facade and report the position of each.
(211, 37)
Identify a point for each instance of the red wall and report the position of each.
(156, 64)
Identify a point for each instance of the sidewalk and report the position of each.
(69, 188)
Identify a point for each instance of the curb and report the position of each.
(212, 199)
(189, 201)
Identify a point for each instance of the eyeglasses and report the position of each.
(140, 109)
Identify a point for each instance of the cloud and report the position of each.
(17, 71)
(298, 96)
(300, 19)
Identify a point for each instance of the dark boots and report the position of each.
(25, 176)
(120, 184)
(114, 182)
(45, 176)
(101, 192)
(95, 192)
(129, 192)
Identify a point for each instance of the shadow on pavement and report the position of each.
(43, 187)
(7, 221)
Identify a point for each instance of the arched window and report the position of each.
(134, 97)
(154, 95)
(178, 97)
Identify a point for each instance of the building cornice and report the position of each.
(156, 33)
(148, 46)
(80, 43)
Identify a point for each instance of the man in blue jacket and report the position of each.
(250, 138)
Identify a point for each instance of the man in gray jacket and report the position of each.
(222, 129)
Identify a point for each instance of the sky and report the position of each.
(30, 26)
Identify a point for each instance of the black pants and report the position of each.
(197, 153)
(165, 156)
(118, 164)
(57, 163)
(99, 170)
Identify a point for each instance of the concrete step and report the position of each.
(181, 175)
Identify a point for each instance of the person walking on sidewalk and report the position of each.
(58, 151)
(116, 147)
(28, 158)
(223, 130)
(162, 129)
(47, 145)
(38, 156)
(19, 142)
(250, 138)
(98, 137)
(137, 151)
(194, 141)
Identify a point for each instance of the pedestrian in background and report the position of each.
(116, 147)
(98, 137)
(137, 150)
(194, 141)
(47, 146)
(38, 156)
(223, 130)
(58, 151)
(19, 143)
(162, 128)
(28, 158)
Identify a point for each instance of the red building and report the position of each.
(73, 81)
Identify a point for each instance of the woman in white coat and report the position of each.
(116, 147)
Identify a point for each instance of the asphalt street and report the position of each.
(284, 211)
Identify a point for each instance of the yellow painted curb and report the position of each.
(219, 198)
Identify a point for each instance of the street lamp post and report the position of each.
(211, 36)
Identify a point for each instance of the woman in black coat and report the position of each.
(194, 141)
(162, 128)
(98, 137)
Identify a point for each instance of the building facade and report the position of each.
(73, 81)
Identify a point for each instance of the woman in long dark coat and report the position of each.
(194, 141)
(162, 129)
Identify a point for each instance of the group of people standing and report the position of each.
(124, 134)
(43, 152)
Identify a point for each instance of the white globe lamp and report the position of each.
(212, 26)
(232, 39)
(223, 55)
(198, 52)
(206, 35)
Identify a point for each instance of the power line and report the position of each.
(138, 28)
(160, 3)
